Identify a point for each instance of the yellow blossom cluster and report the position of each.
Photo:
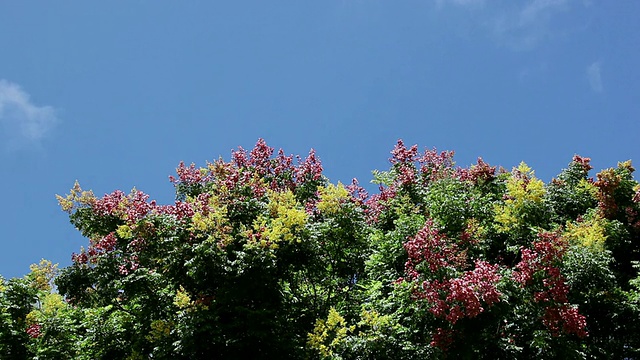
(523, 191)
(42, 274)
(589, 233)
(124, 232)
(182, 299)
(331, 198)
(76, 198)
(159, 330)
(213, 221)
(285, 220)
(327, 334)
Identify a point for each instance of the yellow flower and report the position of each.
(76, 198)
(285, 220)
(182, 299)
(523, 190)
(159, 330)
(331, 198)
(589, 233)
(124, 231)
(52, 303)
(43, 273)
(327, 334)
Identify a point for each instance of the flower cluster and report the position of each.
(434, 165)
(332, 197)
(76, 198)
(442, 338)
(607, 183)
(402, 155)
(378, 203)
(189, 175)
(481, 172)
(34, 330)
(450, 297)
(464, 296)
(433, 249)
(360, 195)
(524, 194)
(584, 162)
(431, 164)
(565, 318)
(131, 207)
(538, 268)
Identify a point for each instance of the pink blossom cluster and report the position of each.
(607, 184)
(464, 296)
(310, 169)
(565, 318)
(81, 258)
(584, 162)
(34, 330)
(247, 175)
(376, 204)
(412, 168)
(357, 192)
(542, 261)
(131, 208)
(402, 155)
(632, 217)
(255, 169)
(189, 175)
(442, 338)
(106, 244)
(434, 249)
(451, 298)
(259, 158)
(481, 172)
(436, 165)
(96, 248)
(131, 264)
(180, 210)
(431, 164)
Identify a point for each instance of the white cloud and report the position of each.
(22, 121)
(539, 10)
(519, 25)
(524, 27)
(595, 79)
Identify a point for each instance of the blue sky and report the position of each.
(115, 94)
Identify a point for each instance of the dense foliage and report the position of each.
(262, 257)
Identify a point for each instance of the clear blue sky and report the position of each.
(115, 94)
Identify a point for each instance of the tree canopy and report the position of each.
(263, 257)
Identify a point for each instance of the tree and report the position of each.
(263, 257)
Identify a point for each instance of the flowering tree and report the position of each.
(483, 263)
(262, 257)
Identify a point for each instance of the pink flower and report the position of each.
(584, 162)
(259, 157)
(310, 169)
(357, 192)
(34, 330)
(402, 155)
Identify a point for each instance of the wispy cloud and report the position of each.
(595, 79)
(539, 10)
(521, 25)
(21, 121)
(525, 27)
